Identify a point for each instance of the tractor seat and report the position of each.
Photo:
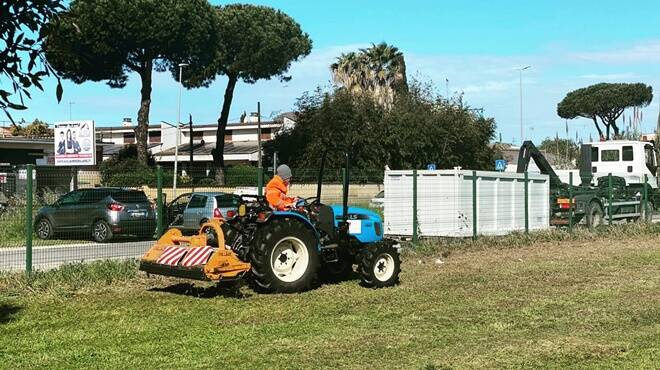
(326, 221)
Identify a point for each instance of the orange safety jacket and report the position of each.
(276, 194)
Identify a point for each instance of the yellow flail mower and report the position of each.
(200, 257)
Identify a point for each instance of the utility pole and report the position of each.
(522, 126)
(178, 130)
(190, 131)
(259, 132)
(260, 174)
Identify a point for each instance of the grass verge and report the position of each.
(576, 302)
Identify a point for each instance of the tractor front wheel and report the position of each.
(284, 259)
(379, 265)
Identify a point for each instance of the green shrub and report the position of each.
(243, 175)
(12, 226)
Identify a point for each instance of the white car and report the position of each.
(378, 201)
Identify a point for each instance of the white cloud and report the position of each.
(609, 76)
(642, 52)
(490, 86)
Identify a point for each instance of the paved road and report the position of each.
(46, 257)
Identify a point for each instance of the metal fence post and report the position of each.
(414, 207)
(609, 198)
(260, 181)
(159, 201)
(526, 202)
(343, 180)
(28, 222)
(570, 202)
(645, 198)
(474, 205)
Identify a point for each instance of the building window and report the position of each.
(594, 154)
(129, 138)
(265, 134)
(228, 137)
(154, 136)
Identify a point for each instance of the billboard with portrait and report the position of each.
(75, 143)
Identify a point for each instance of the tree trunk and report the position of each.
(142, 129)
(218, 152)
(615, 127)
(607, 130)
(600, 132)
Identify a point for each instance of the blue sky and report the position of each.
(475, 44)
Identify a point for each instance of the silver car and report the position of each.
(188, 211)
(378, 201)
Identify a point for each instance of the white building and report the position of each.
(241, 140)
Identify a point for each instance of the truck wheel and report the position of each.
(379, 265)
(595, 215)
(647, 213)
(284, 259)
(334, 272)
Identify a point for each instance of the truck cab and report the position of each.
(630, 160)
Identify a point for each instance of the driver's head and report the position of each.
(284, 172)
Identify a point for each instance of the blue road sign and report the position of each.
(500, 165)
(430, 166)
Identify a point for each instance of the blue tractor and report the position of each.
(291, 251)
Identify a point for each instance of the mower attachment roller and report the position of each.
(200, 257)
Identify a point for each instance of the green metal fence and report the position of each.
(78, 208)
(62, 196)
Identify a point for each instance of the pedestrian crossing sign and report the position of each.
(500, 165)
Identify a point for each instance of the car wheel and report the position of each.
(101, 231)
(44, 229)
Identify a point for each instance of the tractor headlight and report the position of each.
(242, 210)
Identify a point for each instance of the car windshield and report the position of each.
(130, 196)
(381, 194)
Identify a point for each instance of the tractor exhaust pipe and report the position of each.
(320, 179)
(345, 192)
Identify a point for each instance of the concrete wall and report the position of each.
(358, 194)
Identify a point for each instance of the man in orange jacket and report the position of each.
(277, 189)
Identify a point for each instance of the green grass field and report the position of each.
(589, 302)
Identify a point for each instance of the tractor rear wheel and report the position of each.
(379, 265)
(284, 258)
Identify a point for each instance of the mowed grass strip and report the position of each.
(573, 303)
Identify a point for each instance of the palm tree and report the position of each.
(379, 70)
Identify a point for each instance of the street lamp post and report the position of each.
(522, 126)
(178, 130)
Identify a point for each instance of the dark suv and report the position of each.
(100, 213)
